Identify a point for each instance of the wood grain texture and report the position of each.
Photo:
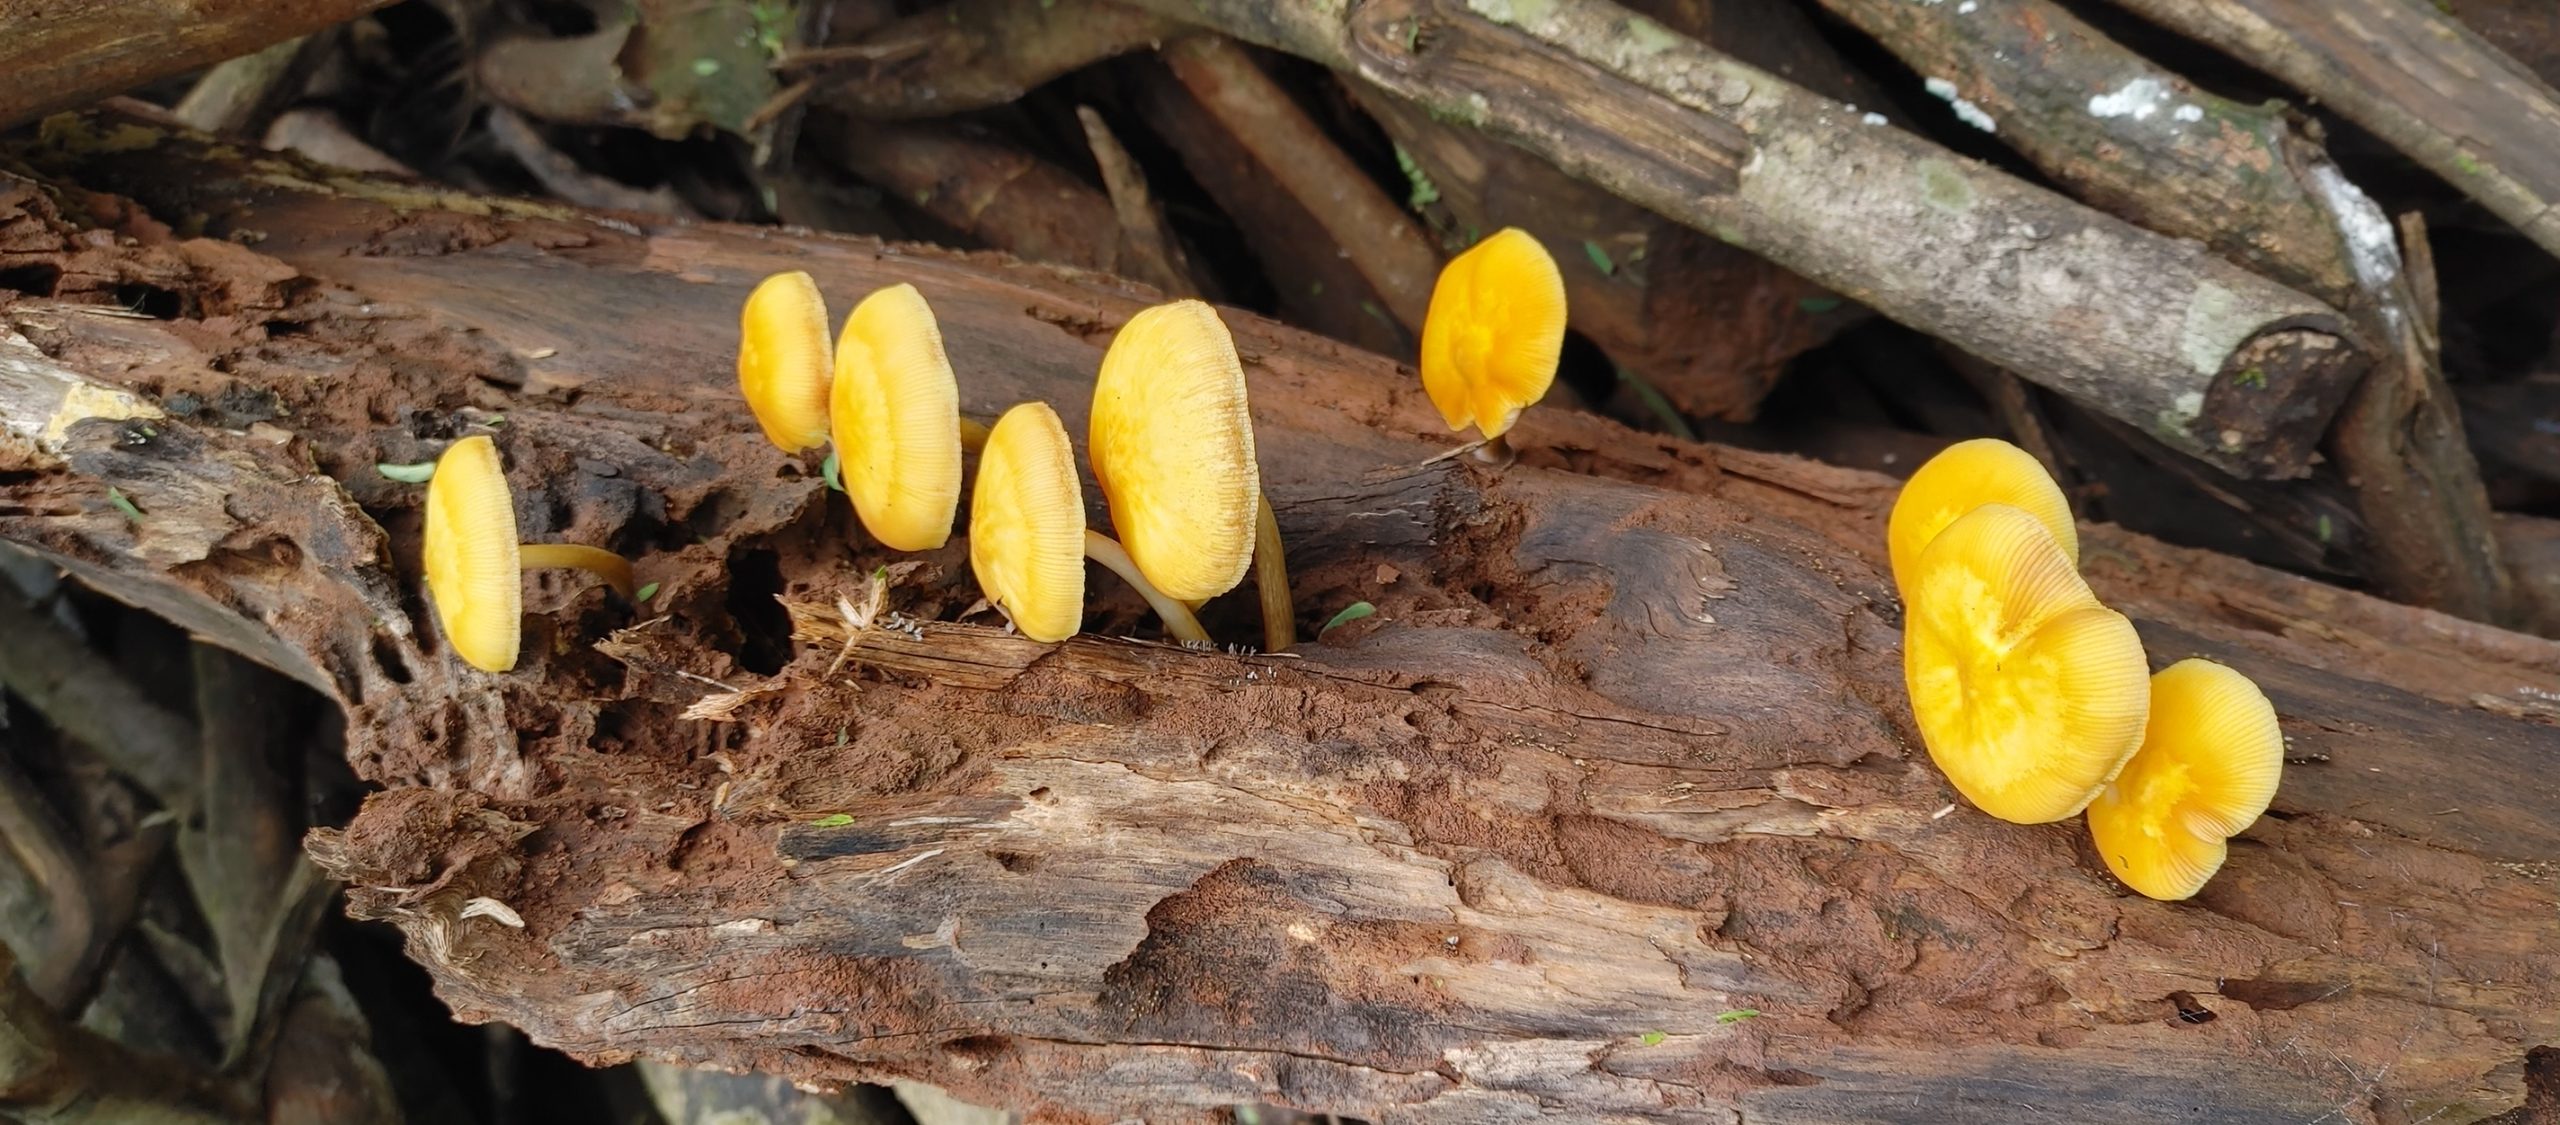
(1612, 811)
(62, 55)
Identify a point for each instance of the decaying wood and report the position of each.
(971, 54)
(2243, 180)
(59, 56)
(2415, 77)
(984, 188)
(1611, 810)
(53, 1072)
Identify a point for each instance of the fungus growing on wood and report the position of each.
(2210, 759)
(782, 360)
(1493, 336)
(896, 416)
(1965, 476)
(1172, 445)
(2029, 694)
(1027, 536)
(474, 564)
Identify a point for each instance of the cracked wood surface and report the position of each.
(1611, 812)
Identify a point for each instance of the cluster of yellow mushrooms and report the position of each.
(2033, 697)
(1171, 441)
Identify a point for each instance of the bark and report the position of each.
(2154, 332)
(1611, 811)
(2412, 75)
(1709, 325)
(971, 54)
(58, 56)
(2245, 182)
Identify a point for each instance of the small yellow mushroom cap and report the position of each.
(2208, 766)
(473, 576)
(1026, 524)
(1965, 476)
(1172, 446)
(782, 360)
(897, 420)
(1494, 333)
(2029, 694)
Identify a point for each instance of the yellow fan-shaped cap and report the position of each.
(2209, 762)
(2029, 693)
(1026, 524)
(782, 360)
(897, 420)
(1494, 333)
(1965, 476)
(1172, 446)
(473, 571)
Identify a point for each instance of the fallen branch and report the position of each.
(2415, 77)
(61, 56)
(2151, 331)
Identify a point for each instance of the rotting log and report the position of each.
(1612, 811)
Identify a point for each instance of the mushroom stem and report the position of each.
(1271, 578)
(613, 568)
(1496, 451)
(1178, 619)
(973, 435)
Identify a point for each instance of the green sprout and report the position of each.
(832, 820)
(1736, 1015)
(1424, 192)
(418, 473)
(644, 593)
(1600, 259)
(1350, 613)
(116, 497)
(1652, 1038)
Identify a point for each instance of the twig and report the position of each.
(54, 1073)
(1150, 250)
(87, 699)
(563, 177)
(2144, 328)
(2415, 77)
(2245, 181)
(31, 833)
(1383, 242)
(971, 54)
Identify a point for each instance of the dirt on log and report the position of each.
(1612, 811)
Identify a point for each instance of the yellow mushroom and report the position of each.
(2208, 766)
(1493, 336)
(1965, 476)
(1027, 537)
(2029, 694)
(475, 567)
(782, 360)
(896, 415)
(1172, 445)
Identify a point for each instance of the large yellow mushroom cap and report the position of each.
(782, 360)
(1026, 524)
(1494, 333)
(473, 576)
(2207, 768)
(897, 420)
(1965, 476)
(1172, 446)
(2029, 694)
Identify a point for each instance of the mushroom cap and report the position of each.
(2208, 766)
(1172, 446)
(1965, 476)
(897, 420)
(471, 555)
(1494, 332)
(2029, 694)
(782, 360)
(1026, 524)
